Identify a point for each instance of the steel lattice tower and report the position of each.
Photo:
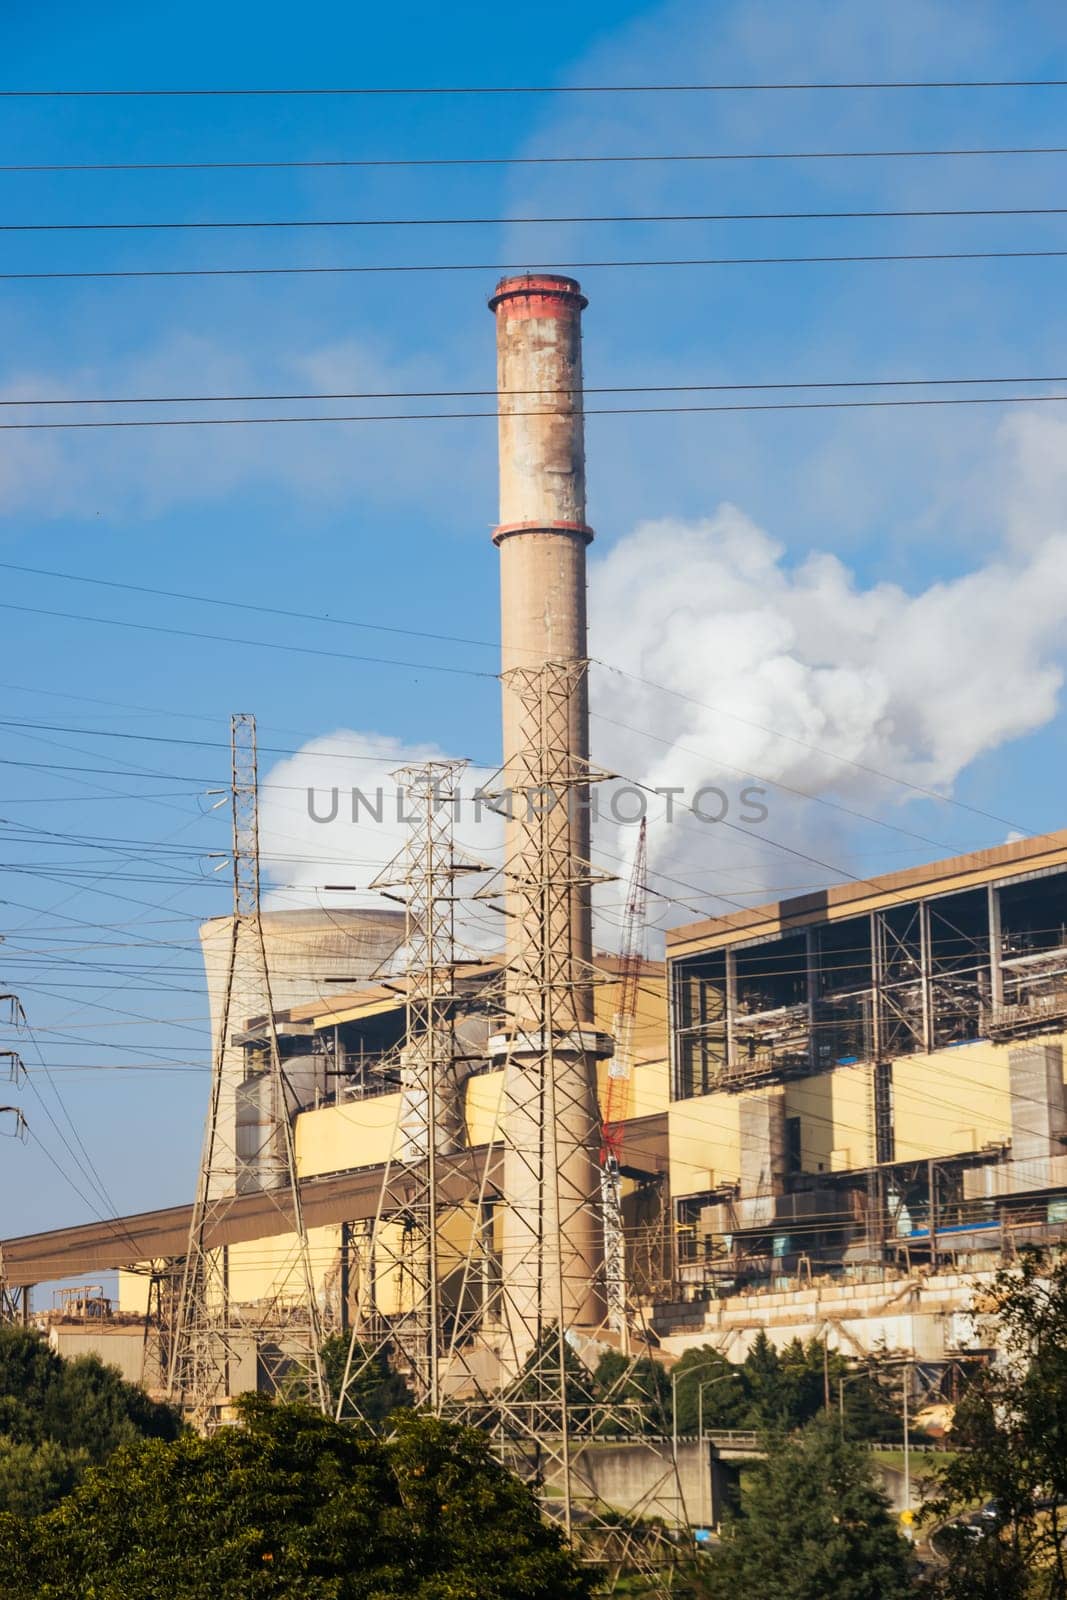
(404, 1248)
(248, 1144)
(14, 1299)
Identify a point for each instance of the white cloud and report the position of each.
(138, 474)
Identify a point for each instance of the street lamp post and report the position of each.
(907, 1453)
(705, 1472)
(700, 1366)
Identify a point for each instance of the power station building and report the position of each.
(841, 1108)
(844, 1109)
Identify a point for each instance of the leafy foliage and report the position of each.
(57, 1417)
(814, 1526)
(644, 1383)
(375, 1391)
(783, 1390)
(292, 1506)
(1012, 1425)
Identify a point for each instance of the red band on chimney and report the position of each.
(538, 294)
(508, 530)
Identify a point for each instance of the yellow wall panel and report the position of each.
(360, 1133)
(484, 1106)
(951, 1101)
(705, 1143)
(259, 1268)
(133, 1293)
(650, 1020)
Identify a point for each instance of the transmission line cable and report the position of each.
(501, 222)
(378, 91)
(529, 161)
(529, 266)
(477, 394)
(260, 644)
(471, 416)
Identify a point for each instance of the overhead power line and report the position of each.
(477, 394)
(498, 267)
(590, 411)
(379, 91)
(499, 222)
(355, 623)
(529, 161)
(258, 644)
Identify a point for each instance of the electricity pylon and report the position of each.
(506, 1357)
(406, 1250)
(561, 1299)
(272, 1325)
(14, 1299)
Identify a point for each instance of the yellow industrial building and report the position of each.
(843, 1108)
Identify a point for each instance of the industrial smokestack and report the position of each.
(552, 1242)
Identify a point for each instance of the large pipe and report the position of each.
(552, 1240)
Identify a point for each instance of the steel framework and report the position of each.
(490, 1339)
(14, 1300)
(556, 1291)
(248, 1143)
(407, 1254)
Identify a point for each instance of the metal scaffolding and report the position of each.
(248, 1144)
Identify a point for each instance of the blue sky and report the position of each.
(923, 638)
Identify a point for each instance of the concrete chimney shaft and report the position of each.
(542, 536)
(552, 1232)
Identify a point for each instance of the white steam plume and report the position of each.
(770, 672)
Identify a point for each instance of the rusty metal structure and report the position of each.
(248, 1144)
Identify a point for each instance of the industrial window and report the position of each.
(771, 1032)
(841, 1004)
(959, 966)
(699, 1025)
(1031, 977)
(793, 1156)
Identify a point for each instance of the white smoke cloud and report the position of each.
(792, 673)
(742, 667)
(334, 814)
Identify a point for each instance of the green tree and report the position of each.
(292, 1506)
(787, 1389)
(726, 1399)
(57, 1417)
(1012, 1425)
(34, 1477)
(539, 1381)
(814, 1526)
(643, 1384)
(375, 1391)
